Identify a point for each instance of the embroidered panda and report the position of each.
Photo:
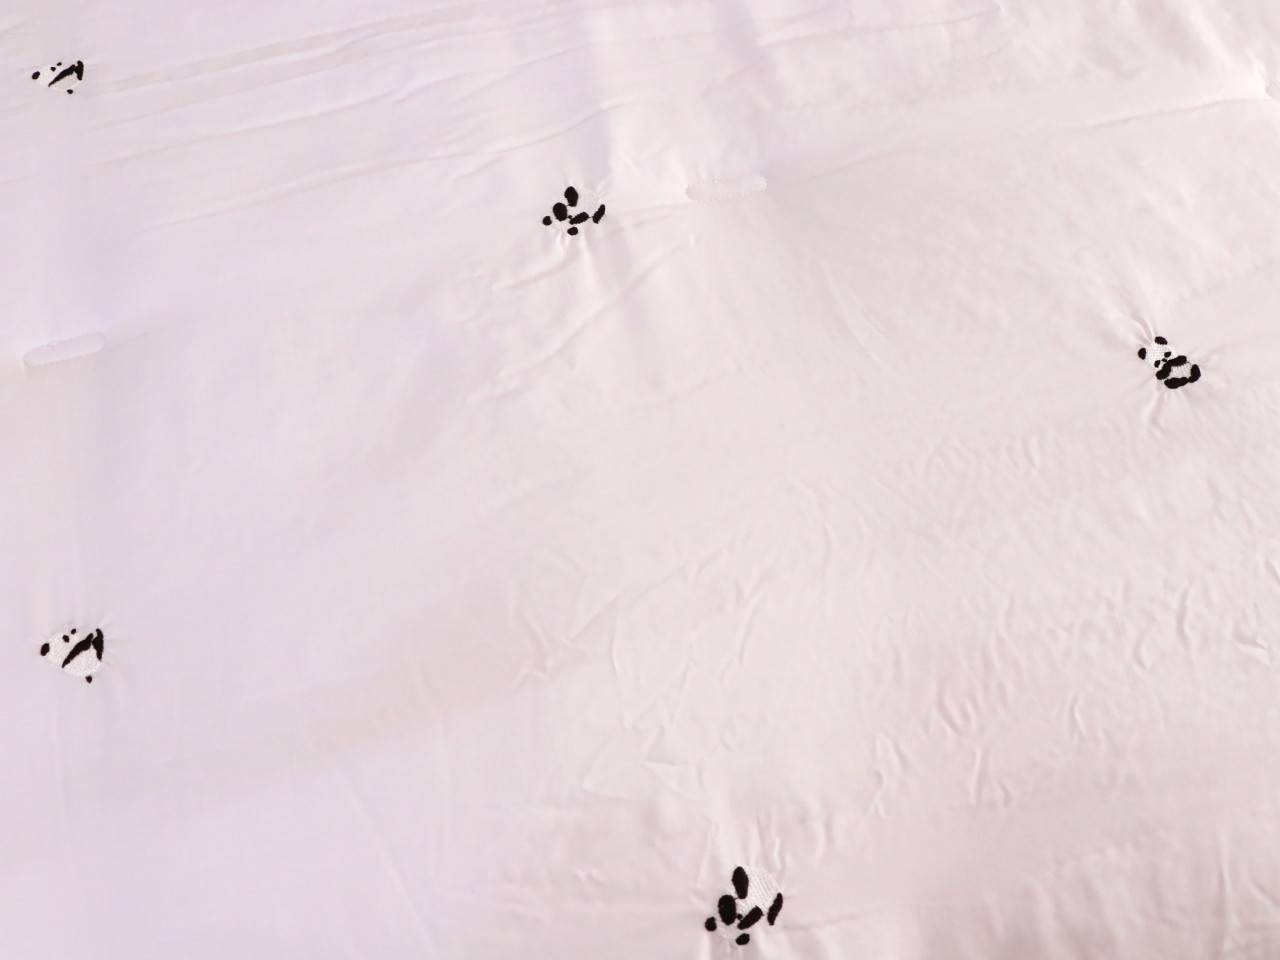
(749, 904)
(80, 656)
(565, 216)
(1173, 372)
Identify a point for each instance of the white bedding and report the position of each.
(471, 590)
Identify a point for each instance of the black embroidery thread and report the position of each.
(728, 904)
(1173, 372)
(560, 213)
(83, 657)
(75, 70)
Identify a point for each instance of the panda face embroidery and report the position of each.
(751, 902)
(80, 656)
(1172, 370)
(565, 215)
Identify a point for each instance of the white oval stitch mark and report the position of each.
(61, 350)
(712, 190)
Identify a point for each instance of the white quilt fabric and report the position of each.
(473, 590)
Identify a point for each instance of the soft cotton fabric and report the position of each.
(475, 591)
